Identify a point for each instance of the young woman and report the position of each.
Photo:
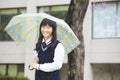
(49, 53)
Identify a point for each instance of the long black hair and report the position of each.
(52, 24)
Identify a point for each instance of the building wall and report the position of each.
(10, 51)
(98, 51)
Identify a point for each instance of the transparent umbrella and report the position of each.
(24, 29)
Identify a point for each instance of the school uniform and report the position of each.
(50, 62)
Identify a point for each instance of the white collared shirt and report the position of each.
(57, 60)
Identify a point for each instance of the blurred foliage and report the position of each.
(12, 78)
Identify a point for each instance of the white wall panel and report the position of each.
(12, 3)
(11, 52)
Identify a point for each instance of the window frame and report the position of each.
(16, 11)
(8, 66)
(92, 19)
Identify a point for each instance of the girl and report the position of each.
(49, 53)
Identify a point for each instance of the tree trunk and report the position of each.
(75, 17)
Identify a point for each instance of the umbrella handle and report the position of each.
(30, 67)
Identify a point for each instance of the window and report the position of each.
(57, 11)
(12, 69)
(5, 16)
(2, 69)
(106, 20)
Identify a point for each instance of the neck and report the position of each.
(47, 38)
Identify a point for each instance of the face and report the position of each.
(46, 31)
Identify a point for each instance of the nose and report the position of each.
(45, 29)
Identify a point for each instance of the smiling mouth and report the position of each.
(45, 33)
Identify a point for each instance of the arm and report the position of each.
(36, 59)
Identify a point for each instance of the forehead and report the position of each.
(47, 25)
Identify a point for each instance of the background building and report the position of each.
(102, 40)
(14, 58)
(101, 34)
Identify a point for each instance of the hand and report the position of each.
(34, 66)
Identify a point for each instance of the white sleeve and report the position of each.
(35, 53)
(57, 60)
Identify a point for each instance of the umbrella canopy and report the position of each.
(24, 29)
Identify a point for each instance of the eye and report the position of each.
(48, 27)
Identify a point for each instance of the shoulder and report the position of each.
(59, 43)
(59, 46)
(59, 50)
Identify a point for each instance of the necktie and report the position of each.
(44, 45)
